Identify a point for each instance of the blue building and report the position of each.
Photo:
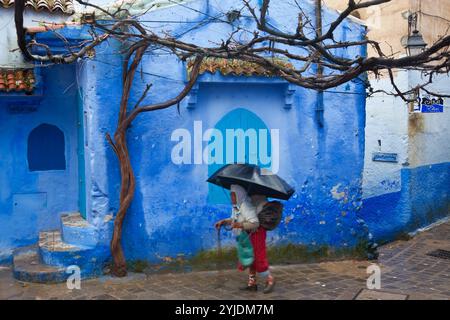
(59, 179)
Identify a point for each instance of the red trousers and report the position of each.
(258, 240)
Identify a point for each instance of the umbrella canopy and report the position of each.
(253, 180)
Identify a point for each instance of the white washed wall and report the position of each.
(430, 133)
(9, 57)
(418, 139)
(387, 121)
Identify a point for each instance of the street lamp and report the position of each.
(415, 43)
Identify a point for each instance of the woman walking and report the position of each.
(244, 218)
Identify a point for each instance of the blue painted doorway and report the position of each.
(256, 151)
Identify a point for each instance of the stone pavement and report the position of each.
(405, 267)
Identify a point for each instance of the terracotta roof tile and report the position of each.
(17, 80)
(236, 67)
(63, 6)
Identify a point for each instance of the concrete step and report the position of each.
(55, 252)
(77, 244)
(77, 231)
(28, 267)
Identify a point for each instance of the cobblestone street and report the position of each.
(406, 270)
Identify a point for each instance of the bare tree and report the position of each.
(265, 42)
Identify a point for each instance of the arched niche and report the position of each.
(46, 148)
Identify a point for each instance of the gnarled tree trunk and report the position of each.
(127, 183)
(120, 147)
(126, 196)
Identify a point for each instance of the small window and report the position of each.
(46, 148)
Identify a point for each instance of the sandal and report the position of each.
(270, 284)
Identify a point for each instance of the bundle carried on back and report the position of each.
(270, 215)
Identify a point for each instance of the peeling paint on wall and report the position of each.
(336, 194)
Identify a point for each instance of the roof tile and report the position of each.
(237, 67)
(63, 6)
(17, 80)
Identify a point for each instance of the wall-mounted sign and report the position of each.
(385, 157)
(428, 104)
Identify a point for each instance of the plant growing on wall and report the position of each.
(311, 52)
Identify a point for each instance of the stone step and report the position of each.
(77, 231)
(74, 219)
(28, 267)
(55, 252)
(52, 241)
(77, 244)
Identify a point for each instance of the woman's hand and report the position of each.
(220, 223)
(237, 225)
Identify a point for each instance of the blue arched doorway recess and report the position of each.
(256, 149)
(46, 148)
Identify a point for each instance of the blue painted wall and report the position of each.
(171, 214)
(424, 198)
(321, 145)
(99, 81)
(31, 201)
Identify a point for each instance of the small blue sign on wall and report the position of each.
(427, 104)
(385, 157)
(435, 108)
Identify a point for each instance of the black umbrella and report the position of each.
(253, 180)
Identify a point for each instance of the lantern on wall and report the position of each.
(415, 44)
